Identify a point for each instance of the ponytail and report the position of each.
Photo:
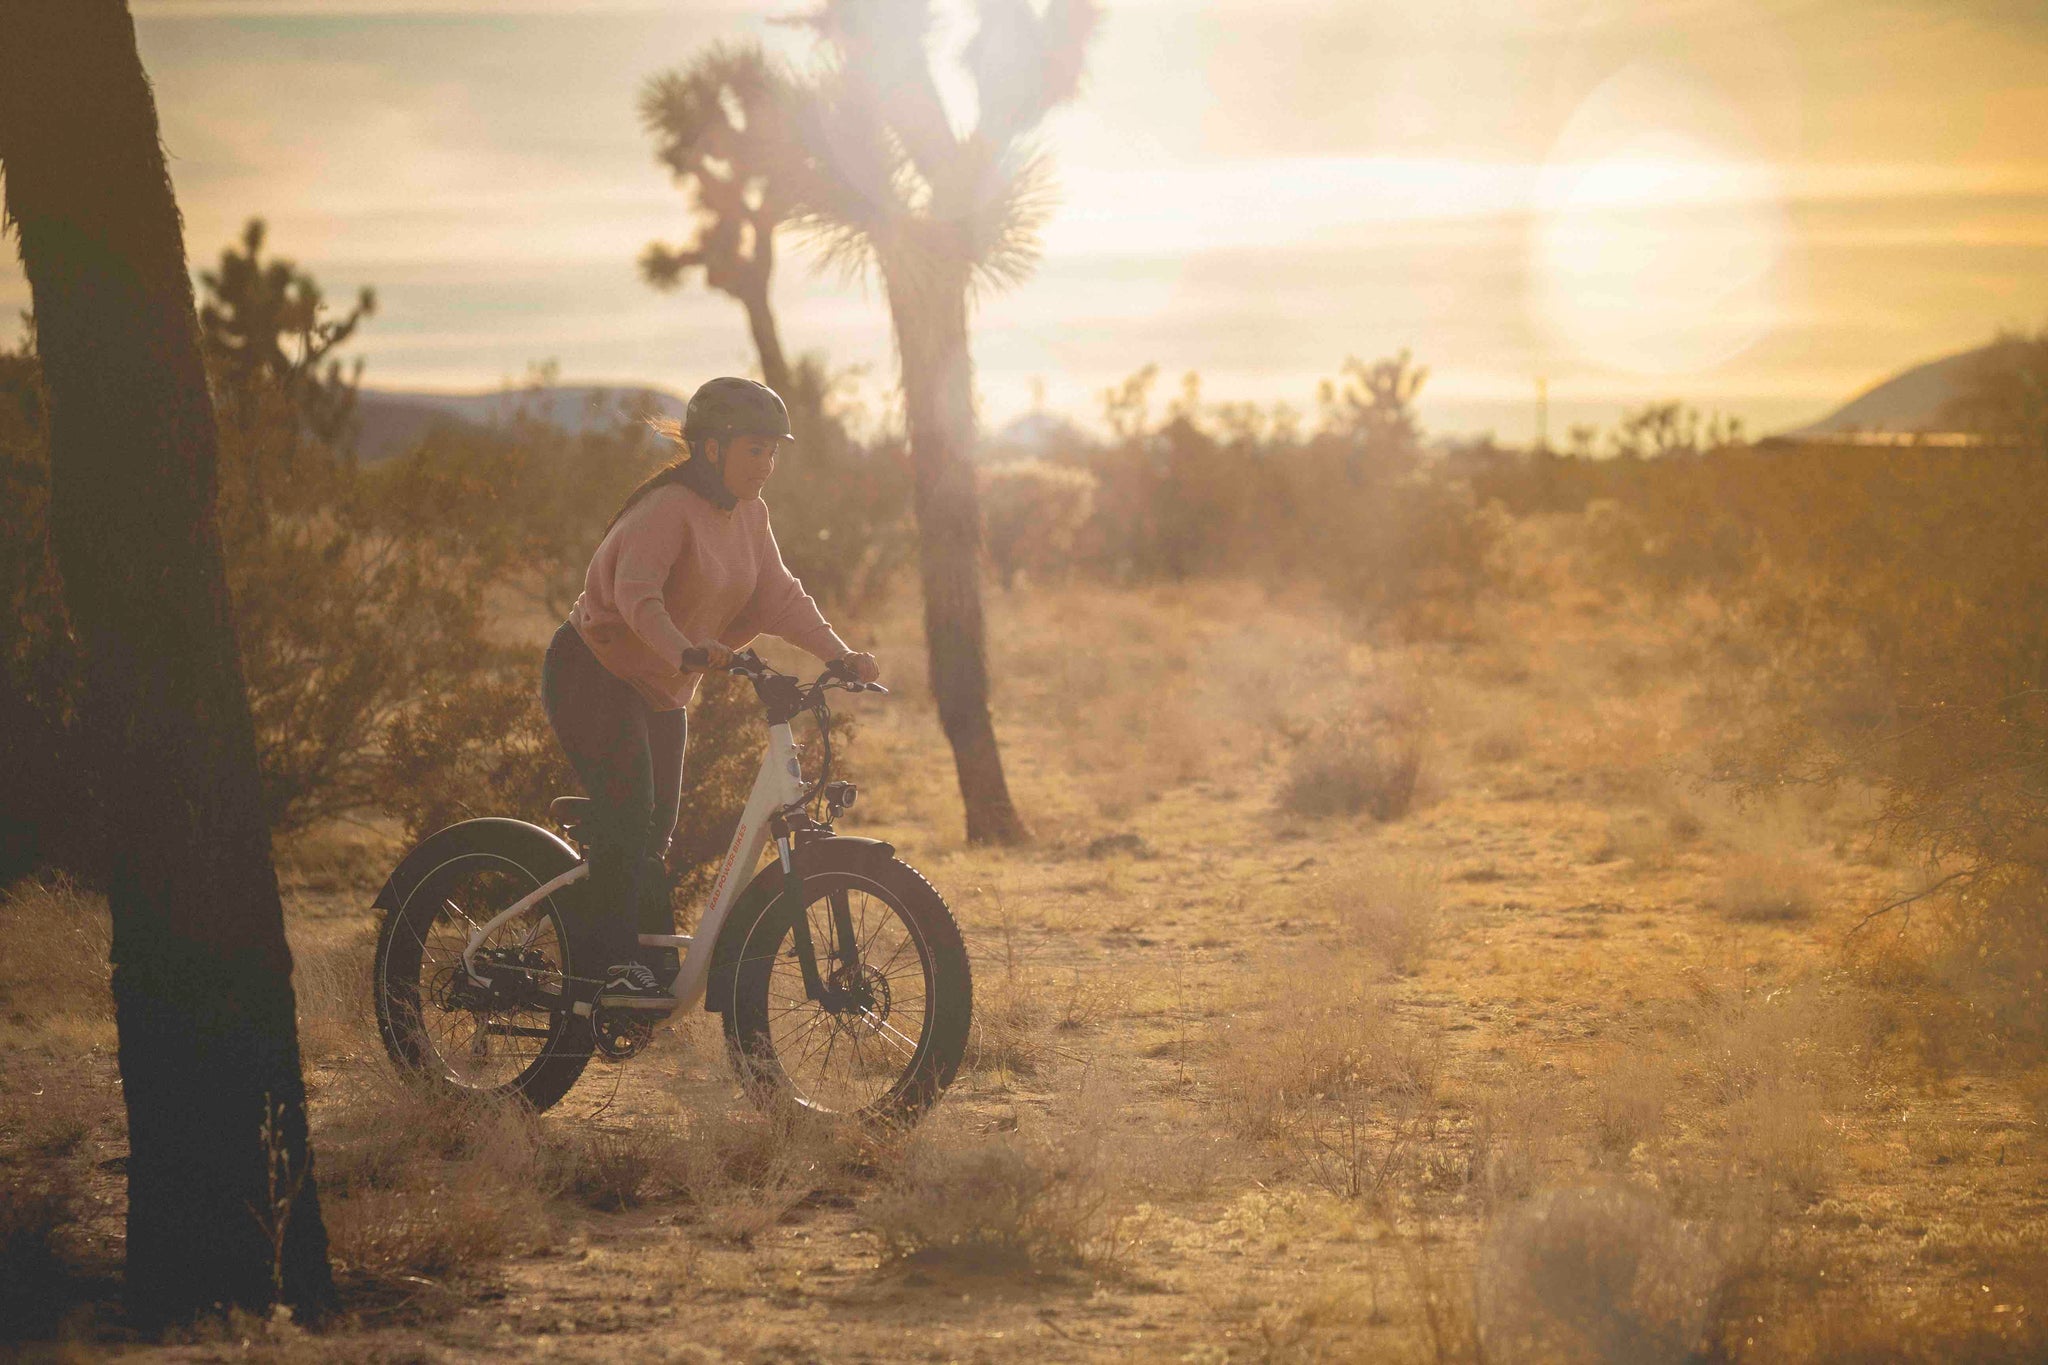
(693, 471)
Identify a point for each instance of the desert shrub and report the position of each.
(1005, 1201)
(1323, 1032)
(41, 804)
(606, 1169)
(1886, 613)
(1032, 513)
(841, 499)
(740, 1170)
(1391, 909)
(1765, 888)
(1366, 764)
(1594, 1274)
(1395, 536)
(416, 1182)
(485, 749)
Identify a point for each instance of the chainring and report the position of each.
(619, 1035)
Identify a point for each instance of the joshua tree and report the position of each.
(222, 1207)
(887, 181)
(719, 124)
(255, 307)
(264, 328)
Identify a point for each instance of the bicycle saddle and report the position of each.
(569, 811)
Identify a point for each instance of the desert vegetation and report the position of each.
(1624, 953)
(1432, 901)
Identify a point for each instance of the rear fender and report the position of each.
(760, 894)
(539, 851)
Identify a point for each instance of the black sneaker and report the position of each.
(631, 986)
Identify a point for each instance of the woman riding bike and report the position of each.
(687, 572)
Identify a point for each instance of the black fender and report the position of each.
(759, 896)
(542, 852)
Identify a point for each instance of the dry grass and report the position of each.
(1318, 1067)
(1390, 908)
(1007, 1201)
(416, 1183)
(1630, 1100)
(57, 937)
(1014, 1006)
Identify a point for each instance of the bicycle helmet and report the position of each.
(728, 407)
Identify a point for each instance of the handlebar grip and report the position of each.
(696, 658)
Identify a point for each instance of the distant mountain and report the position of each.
(1910, 401)
(393, 421)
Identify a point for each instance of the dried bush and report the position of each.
(1886, 611)
(415, 1182)
(1394, 536)
(1370, 765)
(1032, 513)
(1005, 1201)
(1392, 909)
(1323, 1035)
(606, 1169)
(1763, 888)
(1595, 1274)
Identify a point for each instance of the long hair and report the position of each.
(690, 470)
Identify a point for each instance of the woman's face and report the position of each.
(746, 464)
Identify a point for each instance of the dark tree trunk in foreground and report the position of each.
(930, 318)
(202, 977)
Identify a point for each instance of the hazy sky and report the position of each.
(1760, 207)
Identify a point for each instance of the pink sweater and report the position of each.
(675, 571)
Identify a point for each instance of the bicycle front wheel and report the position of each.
(856, 1002)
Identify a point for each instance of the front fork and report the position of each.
(846, 949)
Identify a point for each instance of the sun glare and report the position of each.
(1658, 235)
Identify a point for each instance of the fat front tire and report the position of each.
(890, 1037)
(526, 1042)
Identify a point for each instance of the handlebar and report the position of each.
(749, 665)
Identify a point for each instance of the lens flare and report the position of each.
(1659, 235)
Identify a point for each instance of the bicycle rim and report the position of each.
(864, 1053)
(484, 1046)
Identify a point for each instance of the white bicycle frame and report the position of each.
(779, 784)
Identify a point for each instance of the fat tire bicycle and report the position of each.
(838, 971)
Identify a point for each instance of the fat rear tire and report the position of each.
(401, 948)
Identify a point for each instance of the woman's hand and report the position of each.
(862, 666)
(709, 657)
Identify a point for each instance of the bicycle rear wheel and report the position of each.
(517, 1035)
(858, 1001)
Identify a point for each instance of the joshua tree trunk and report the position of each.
(753, 296)
(222, 1207)
(938, 398)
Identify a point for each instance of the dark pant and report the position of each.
(630, 758)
